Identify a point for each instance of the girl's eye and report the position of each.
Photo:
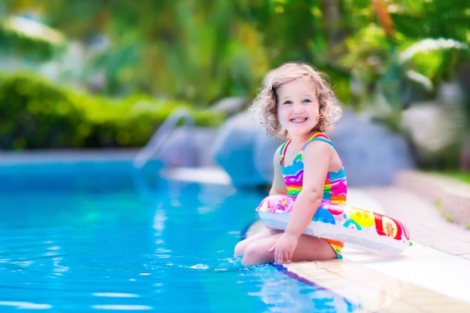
(307, 100)
(287, 102)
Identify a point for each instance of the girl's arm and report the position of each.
(316, 158)
(278, 186)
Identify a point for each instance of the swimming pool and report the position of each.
(98, 236)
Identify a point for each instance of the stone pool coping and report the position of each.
(66, 155)
(450, 196)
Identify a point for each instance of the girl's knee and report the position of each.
(239, 248)
(253, 256)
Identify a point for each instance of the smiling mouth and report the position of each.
(298, 119)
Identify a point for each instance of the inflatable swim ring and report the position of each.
(357, 228)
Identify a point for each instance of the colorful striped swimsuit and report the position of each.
(334, 190)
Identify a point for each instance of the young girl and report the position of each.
(296, 103)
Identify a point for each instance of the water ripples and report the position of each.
(116, 249)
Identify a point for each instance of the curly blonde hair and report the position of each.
(265, 103)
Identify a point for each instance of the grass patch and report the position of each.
(445, 215)
(460, 176)
(448, 218)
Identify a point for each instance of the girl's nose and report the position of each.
(298, 107)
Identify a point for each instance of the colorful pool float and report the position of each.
(357, 228)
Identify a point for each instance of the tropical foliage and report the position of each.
(381, 55)
(38, 114)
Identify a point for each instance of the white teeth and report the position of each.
(298, 119)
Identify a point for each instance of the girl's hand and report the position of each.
(284, 248)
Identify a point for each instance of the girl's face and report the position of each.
(298, 107)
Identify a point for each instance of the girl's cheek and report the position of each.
(282, 120)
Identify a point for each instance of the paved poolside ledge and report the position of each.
(66, 155)
(450, 196)
(374, 290)
(424, 220)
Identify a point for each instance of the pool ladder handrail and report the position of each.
(158, 138)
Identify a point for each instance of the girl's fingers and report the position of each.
(281, 257)
(286, 257)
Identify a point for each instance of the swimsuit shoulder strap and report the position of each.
(319, 137)
(282, 151)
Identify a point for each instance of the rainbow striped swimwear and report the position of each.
(335, 187)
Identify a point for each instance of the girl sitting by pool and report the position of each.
(297, 104)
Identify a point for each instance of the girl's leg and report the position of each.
(257, 252)
(241, 246)
(313, 249)
(308, 249)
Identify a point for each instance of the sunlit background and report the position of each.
(95, 74)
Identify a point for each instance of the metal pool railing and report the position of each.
(162, 133)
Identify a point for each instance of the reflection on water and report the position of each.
(91, 238)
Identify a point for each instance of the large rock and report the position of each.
(188, 147)
(230, 106)
(371, 154)
(264, 148)
(240, 140)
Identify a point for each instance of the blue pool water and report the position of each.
(101, 237)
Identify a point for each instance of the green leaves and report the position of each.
(39, 114)
(30, 38)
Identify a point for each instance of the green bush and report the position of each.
(36, 114)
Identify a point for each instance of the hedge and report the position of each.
(38, 114)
